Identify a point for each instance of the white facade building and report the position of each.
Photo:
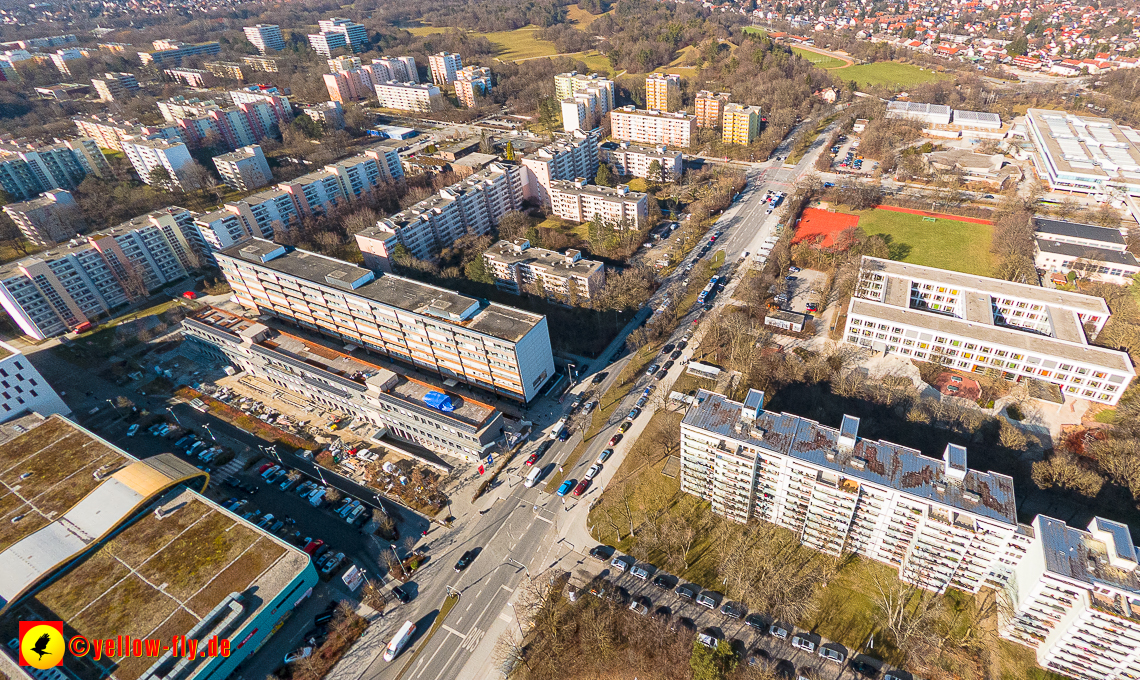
(420, 97)
(516, 265)
(1094, 253)
(146, 155)
(265, 37)
(1083, 153)
(399, 69)
(444, 66)
(653, 128)
(245, 169)
(634, 161)
(570, 156)
(115, 86)
(23, 390)
(472, 82)
(577, 201)
(47, 219)
(930, 114)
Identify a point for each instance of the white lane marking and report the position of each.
(505, 617)
(509, 590)
(430, 659)
(453, 631)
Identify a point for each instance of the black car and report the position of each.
(676, 354)
(733, 611)
(322, 618)
(465, 560)
(662, 581)
(600, 552)
(401, 594)
(864, 668)
(755, 621)
(599, 378)
(667, 348)
(686, 592)
(661, 375)
(667, 365)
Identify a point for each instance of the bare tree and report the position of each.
(906, 612)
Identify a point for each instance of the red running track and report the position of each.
(975, 220)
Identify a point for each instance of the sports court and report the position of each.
(821, 227)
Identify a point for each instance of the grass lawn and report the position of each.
(594, 60)
(580, 17)
(753, 29)
(637, 184)
(820, 60)
(946, 244)
(890, 74)
(513, 45)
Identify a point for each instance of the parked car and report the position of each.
(132, 430)
(706, 600)
(615, 439)
(599, 552)
(634, 413)
(754, 621)
(598, 378)
(803, 641)
(298, 654)
(604, 455)
(833, 655)
(864, 668)
(779, 630)
(354, 516)
(593, 471)
(532, 459)
(332, 563)
(624, 427)
(653, 368)
(685, 592)
(733, 611)
(582, 486)
(622, 563)
(638, 607)
(639, 572)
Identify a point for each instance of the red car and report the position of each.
(615, 439)
(189, 295)
(582, 486)
(313, 546)
(263, 468)
(532, 459)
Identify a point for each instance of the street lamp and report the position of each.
(511, 559)
(172, 413)
(405, 573)
(113, 406)
(207, 426)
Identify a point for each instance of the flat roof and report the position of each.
(1041, 345)
(1079, 556)
(1090, 232)
(998, 287)
(551, 260)
(1092, 253)
(1085, 145)
(882, 463)
(654, 152)
(620, 192)
(500, 321)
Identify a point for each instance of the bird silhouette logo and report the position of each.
(41, 644)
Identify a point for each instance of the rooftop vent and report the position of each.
(972, 497)
(848, 433)
(753, 406)
(859, 463)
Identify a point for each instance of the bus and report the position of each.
(713, 281)
(704, 294)
(401, 638)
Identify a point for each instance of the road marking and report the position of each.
(504, 617)
(453, 631)
(424, 667)
(509, 590)
(474, 637)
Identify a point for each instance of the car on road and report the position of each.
(661, 375)
(532, 459)
(653, 368)
(591, 405)
(565, 488)
(624, 427)
(576, 403)
(564, 434)
(686, 592)
(598, 378)
(593, 471)
(464, 561)
(641, 401)
(615, 439)
(605, 455)
(640, 572)
(400, 594)
(779, 630)
(675, 355)
(833, 655)
(804, 641)
(582, 486)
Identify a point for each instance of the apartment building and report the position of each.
(148, 155)
(23, 390)
(27, 170)
(329, 114)
(569, 156)
(619, 207)
(567, 84)
(314, 371)
(109, 133)
(443, 67)
(263, 64)
(472, 82)
(265, 37)
(60, 58)
(975, 324)
(940, 523)
(190, 77)
(517, 267)
(115, 86)
(167, 52)
(219, 229)
(740, 124)
(1086, 154)
(578, 112)
(473, 205)
(654, 128)
(47, 219)
(280, 109)
(349, 85)
(245, 169)
(500, 349)
(710, 108)
(399, 69)
(634, 161)
(337, 33)
(266, 212)
(662, 91)
(56, 290)
(230, 70)
(1093, 253)
(419, 97)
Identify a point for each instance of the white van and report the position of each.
(558, 427)
(532, 478)
(398, 642)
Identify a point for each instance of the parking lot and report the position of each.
(803, 288)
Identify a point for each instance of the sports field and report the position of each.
(943, 243)
(821, 226)
(820, 60)
(890, 74)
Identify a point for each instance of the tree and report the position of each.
(159, 177)
(906, 612)
(604, 177)
(307, 126)
(712, 664)
(513, 225)
(476, 270)
(655, 173)
(1065, 471)
(509, 152)
(1017, 47)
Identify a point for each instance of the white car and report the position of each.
(132, 430)
(593, 471)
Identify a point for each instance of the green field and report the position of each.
(946, 244)
(820, 60)
(513, 45)
(890, 74)
(753, 29)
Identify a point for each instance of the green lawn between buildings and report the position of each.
(946, 244)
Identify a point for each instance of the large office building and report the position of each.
(399, 69)
(710, 108)
(662, 89)
(618, 207)
(975, 324)
(654, 128)
(517, 266)
(473, 205)
(56, 290)
(419, 97)
(172, 52)
(635, 161)
(1084, 153)
(47, 219)
(940, 523)
(569, 156)
(500, 349)
(472, 82)
(1093, 253)
(740, 124)
(27, 170)
(265, 37)
(113, 545)
(148, 155)
(245, 169)
(115, 86)
(444, 66)
(329, 377)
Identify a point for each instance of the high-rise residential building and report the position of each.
(710, 108)
(27, 170)
(148, 155)
(578, 112)
(399, 69)
(263, 64)
(336, 33)
(351, 85)
(230, 70)
(101, 511)
(329, 114)
(115, 86)
(516, 266)
(741, 124)
(443, 67)
(654, 128)
(569, 156)
(244, 169)
(974, 324)
(500, 349)
(636, 161)
(282, 112)
(472, 206)
(61, 57)
(420, 97)
(190, 77)
(56, 290)
(618, 207)
(352, 381)
(472, 82)
(110, 133)
(220, 229)
(660, 90)
(566, 84)
(167, 52)
(940, 523)
(47, 219)
(265, 37)
(24, 390)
